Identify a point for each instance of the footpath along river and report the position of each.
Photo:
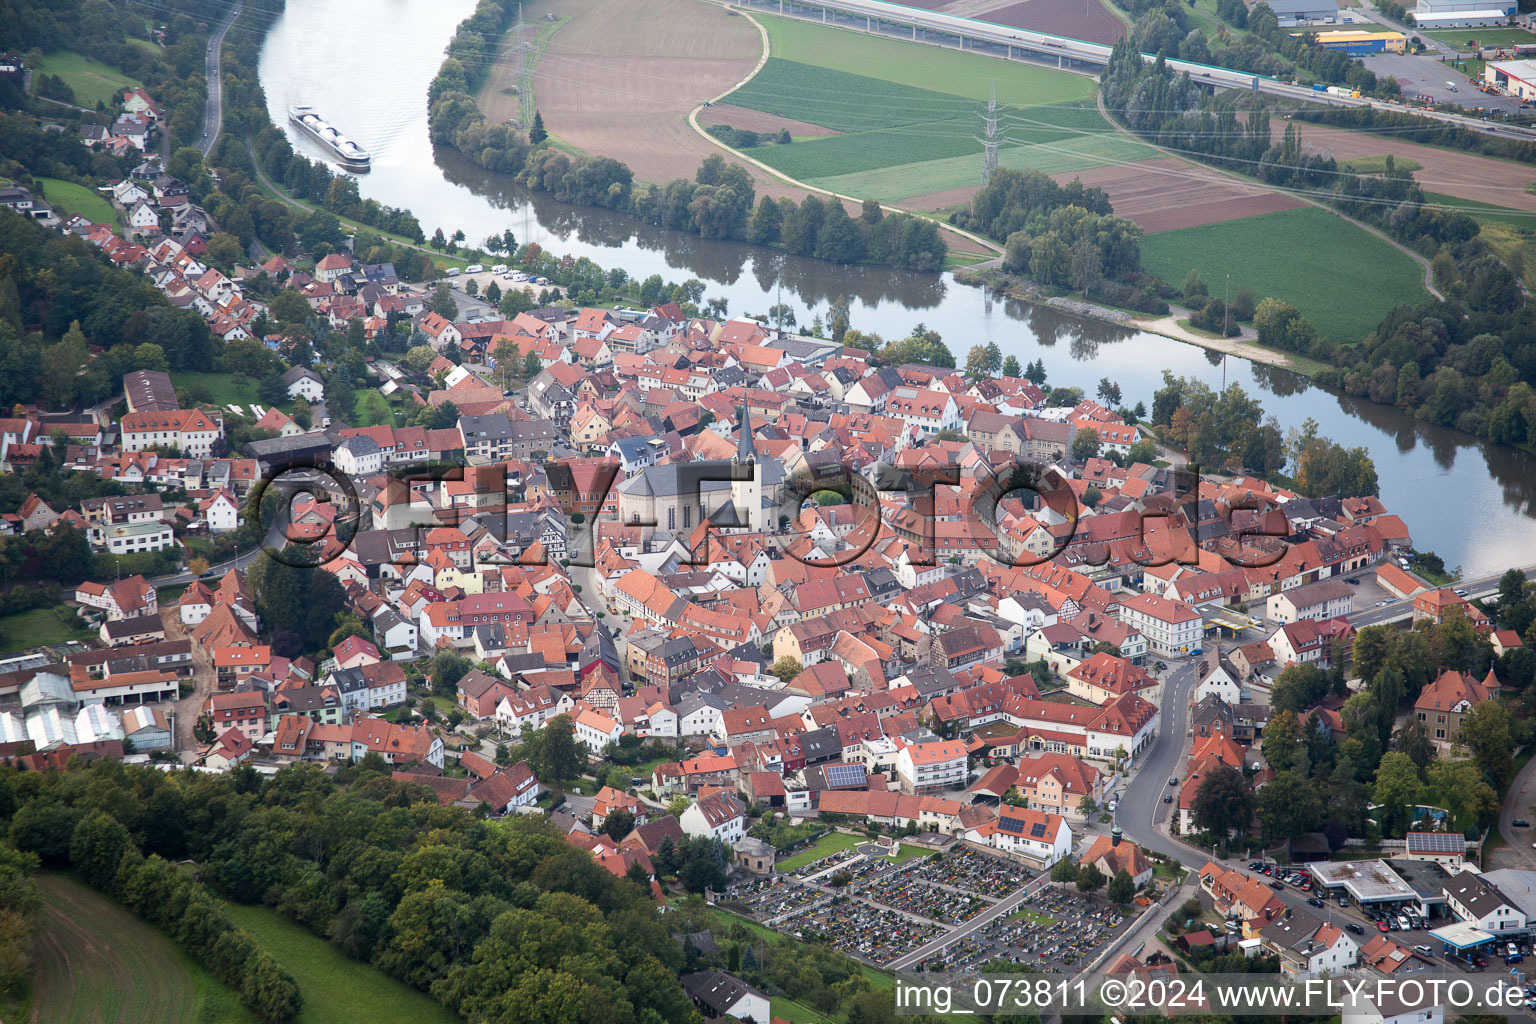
(365, 65)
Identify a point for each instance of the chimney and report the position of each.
(1114, 836)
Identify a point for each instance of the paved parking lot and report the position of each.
(1428, 76)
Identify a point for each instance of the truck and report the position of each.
(1319, 88)
(1338, 90)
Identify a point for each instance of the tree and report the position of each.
(1121, 888)
(1109, 392)
(1085, 444)
(786, 668)
(1396, 792)
(1284, 748)
(197, 565)
(559, 756)
(977, 363)
(1011, 367)
(1224, 802)
(97, 847)
(1064, 871)
(618, 824)
(1194, 286)
(1413, 740)
(1089, 878)
(445, 670)
(292, 595)
(537, 134)
(1289, 806)
(443, 302)
(270, 991)
(532, 365)
(1486, 734)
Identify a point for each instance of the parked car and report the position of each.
(1354, 929)
(1168, 799)
(453, 271)
(1424, 949)
(1344, 901)
(1382, 926)
(1520, 823)
(474, 268)
(1314, 901)
(1511, 949)
(500, 268)
(1517, 958)
(1276, 885)
(1173, 780)
(1402, 922)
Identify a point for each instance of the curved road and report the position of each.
(213, 110)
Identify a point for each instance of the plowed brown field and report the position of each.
(1483, 178)
(1167, 193)
(620, 78)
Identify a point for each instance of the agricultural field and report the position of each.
(906, 128)
(1484, 179)
(91, 80)
(71, 198)
(337, 989)
(1075, 20)
(98, 964)
(1347, 284)
(618, 83)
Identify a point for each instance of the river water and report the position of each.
(365, 65)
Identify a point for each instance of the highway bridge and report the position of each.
(897, 21)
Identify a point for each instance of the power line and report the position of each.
(990, 143)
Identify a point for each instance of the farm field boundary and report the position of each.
(1351, 280)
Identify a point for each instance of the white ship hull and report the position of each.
(341, 149)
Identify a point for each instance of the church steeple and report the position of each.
(745, 452)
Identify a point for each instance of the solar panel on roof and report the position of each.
(1014, 825)
(845, 775)
(1437, 842)
(1037, 830)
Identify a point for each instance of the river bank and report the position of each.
(324, 53)
(1243, 346)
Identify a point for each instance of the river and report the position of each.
(365, 65)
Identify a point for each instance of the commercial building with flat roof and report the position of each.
(1516, 77)
(1432, 14)
(1367, 882)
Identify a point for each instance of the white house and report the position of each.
(1324, 599)
(221, 512)
(930, 411)
(359, 456)
(144, 217)
(136, 538)
(302, 382)
(926, 768)
(1172, 628)
(1307, 946)
(595, 730)
(1034, 835)
(725, 995)
(1218, 680)
(719, 815)
(1474, 899)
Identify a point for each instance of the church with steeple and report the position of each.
(747, 493)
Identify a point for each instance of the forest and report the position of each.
(497, 920)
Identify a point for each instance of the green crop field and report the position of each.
(906, 181)
(908, 119)
(98, 964)
(1485, 213)
(91, 80)
(38, 627)
(968, 75)
(1342, 279)
(842, 101)
(337, 989)
(72, 198)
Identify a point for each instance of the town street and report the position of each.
(213, 110)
